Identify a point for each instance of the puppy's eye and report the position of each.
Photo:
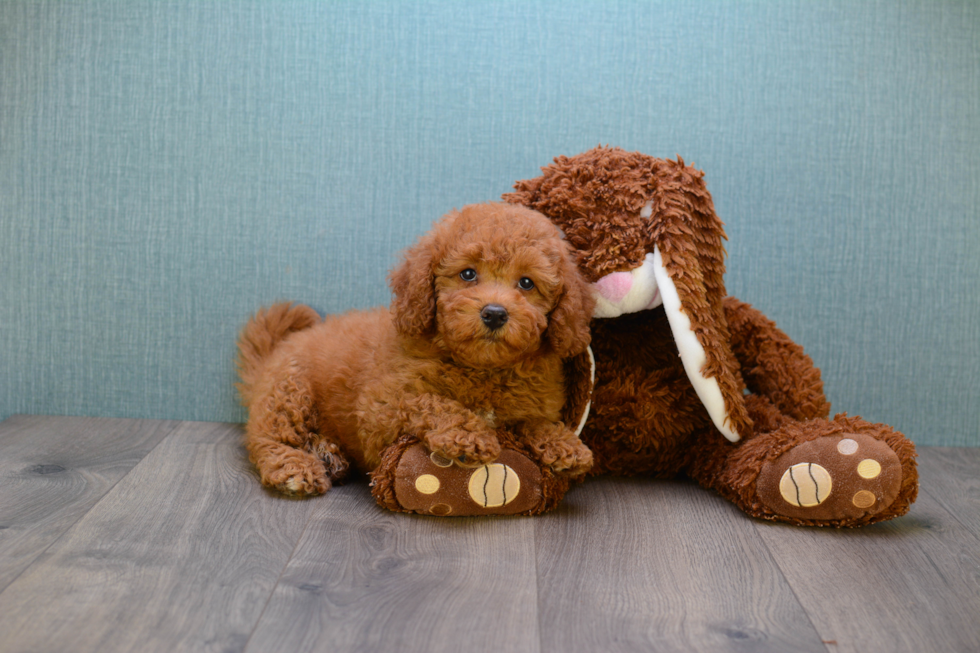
(526, 284)
(469, 274)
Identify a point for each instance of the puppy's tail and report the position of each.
(260, 336)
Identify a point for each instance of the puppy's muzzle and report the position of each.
(494, 316)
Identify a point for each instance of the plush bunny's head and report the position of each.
(647, 235)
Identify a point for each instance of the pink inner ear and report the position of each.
(613, 287)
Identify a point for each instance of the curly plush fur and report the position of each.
(486, 307)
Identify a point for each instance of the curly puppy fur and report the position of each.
(486, 307)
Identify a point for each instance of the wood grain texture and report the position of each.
(53, 470)
(634, 564)
(910, 584)
(181, 555)
(156, 536)
(952, 478)
(364, 579)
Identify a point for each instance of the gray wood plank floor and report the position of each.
(126, 535)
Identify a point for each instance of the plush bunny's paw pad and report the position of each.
(832, 479)
(432, 484)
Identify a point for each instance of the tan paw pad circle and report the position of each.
(427, 484)
(847, 447)
(864, 499)
(440, 461)
(805, 485)
(869, 468)
(494, 485)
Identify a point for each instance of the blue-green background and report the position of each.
(168, 167)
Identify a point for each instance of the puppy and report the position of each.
(486, 306)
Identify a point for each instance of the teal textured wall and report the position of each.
(167, 168)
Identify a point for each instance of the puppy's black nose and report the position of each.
(494, 316)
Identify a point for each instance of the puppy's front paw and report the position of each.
(569, 457)
(464, 447)
(298, 477)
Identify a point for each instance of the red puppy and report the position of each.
(486, 306)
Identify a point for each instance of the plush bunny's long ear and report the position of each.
(688, 262)
(693, 355)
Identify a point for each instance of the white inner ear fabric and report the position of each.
(692, 353)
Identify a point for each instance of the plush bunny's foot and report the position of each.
(411, 479)
(842, 480)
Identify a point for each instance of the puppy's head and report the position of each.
(492, 284)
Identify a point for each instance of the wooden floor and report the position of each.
(119, 535)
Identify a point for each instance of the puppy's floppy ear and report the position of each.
(568, 325)
(413, 306)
